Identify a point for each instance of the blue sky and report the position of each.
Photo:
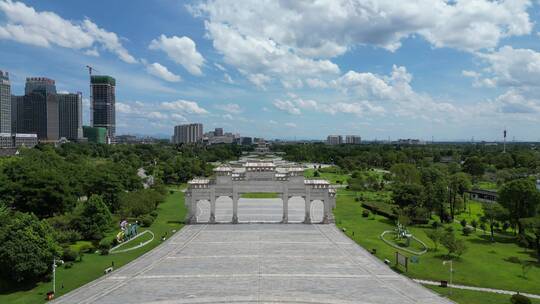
(302, 69)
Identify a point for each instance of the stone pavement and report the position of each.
(255, 263)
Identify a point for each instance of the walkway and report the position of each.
(255, 263)
(501, 291)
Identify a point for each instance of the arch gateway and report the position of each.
(259, 176)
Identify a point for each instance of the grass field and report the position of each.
(259, 195)
(333, 178)
(485, 264)
(170, 217)
(474, 297)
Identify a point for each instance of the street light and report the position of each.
(54, 272)
(451, 271)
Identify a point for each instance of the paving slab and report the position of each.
(254, 263)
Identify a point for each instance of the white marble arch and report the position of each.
(259, 177)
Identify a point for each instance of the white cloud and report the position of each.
(230, 108)
(259, 80)
(228, 79)
(108, 40)
(316, 83)
(184, 106)
(26, 25)
(512, 67)
(298, 38)
(181, 50)
(228, 117)
(287, 106)
(514, 102)
(290, 125)
(162, 72)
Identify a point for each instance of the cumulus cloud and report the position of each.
(287, 106)
(162, 72)
(26, 25)
(290, 124)
(230, 108)
(181, 50)
(184, 106)
(299, 38)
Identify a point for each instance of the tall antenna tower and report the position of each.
(504, 143)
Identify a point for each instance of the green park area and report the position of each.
(170, 216)
(500, 263)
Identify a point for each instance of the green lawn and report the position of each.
(485, 264)
(333, 178)
(474, 297)
(486, 185)
(170, 217)
(259, 195)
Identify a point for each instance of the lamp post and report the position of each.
(451, 271)
(54, 272)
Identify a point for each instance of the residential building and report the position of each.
(218, 132)
(189, 133)
(353, 139)
(8, 140)
(103, 104)
(96, 135)
(70, 114)
(334, 139)
(37, 111)
(247, 141)
(5, 103)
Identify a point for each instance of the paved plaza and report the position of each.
(255, 263)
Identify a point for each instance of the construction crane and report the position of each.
(90, 69)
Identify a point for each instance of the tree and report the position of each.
(92, 218)
(474, 166)
(408, 195)
(140, 202)
(459, 183)
(435, 183)
(435, 236)
(453, 245)
(533, 225)
(521, 198)
(405, 173)
(28, 247)
(493, 213)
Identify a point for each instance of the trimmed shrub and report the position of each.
(463, 223)
(467, 231)
(68, 236)
(520, 299)
(104, 246)
(365, 213)
(146, 220)
(435, 224)
(68, 265)
(69, 255)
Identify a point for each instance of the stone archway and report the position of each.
(317, 211)
(224, 209)
(203, 211)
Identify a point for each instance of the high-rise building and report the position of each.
(353, 139)
(190, 133)
(37, 111)
(103, 103)
(5, 103)
(70, 114)
(334, 139)
(218, 132)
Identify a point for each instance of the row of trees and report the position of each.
(51, 197)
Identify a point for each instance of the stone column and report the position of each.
(307, 217)
(212, 208)
(235, 207)
(285, 198)
(327, 208)
(192, 212)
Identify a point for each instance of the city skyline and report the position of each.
(452, 72)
